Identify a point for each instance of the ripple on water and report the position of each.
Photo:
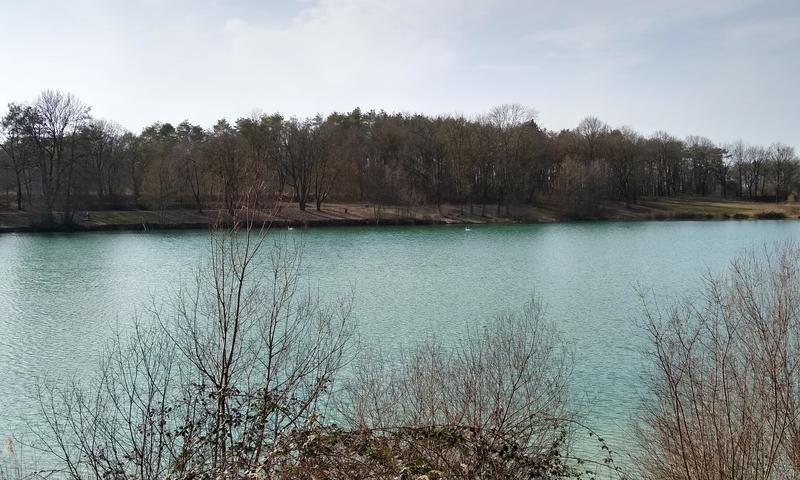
(62, 295)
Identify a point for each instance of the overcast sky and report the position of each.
(726, 69)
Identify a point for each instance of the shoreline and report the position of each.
(121, 227)
(363, 215)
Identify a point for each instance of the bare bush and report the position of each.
(120, 422)
(724, 384)
(233, 385)
(208, 389)
(494, 405)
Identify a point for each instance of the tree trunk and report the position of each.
(19, 192)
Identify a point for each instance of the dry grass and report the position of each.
(344, 214)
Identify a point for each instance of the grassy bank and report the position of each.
(352, 214)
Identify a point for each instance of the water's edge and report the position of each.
(360, 222)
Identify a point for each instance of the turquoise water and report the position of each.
(61, 295)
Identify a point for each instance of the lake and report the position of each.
(61, 295)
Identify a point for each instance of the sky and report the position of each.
(725, 69)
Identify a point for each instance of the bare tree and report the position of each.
(510, 138)
(158, 162)
(739, 163)
(193, 165)
(332, 148)
(261, 136)
(625, 163)
(230, 164)
(724, 381)
(592, 130)
(668, 153)
(510, 115)
(135, 162)
(102, 139)
(758, 162)
(783, 168)
(305, 157)
(227, 368)
(706, 161)
(57, 117)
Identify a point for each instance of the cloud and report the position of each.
(767, 33)
(348, 48)
(615, 33)
(717, 67)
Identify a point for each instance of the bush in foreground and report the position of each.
(725, 383)
(237, 375)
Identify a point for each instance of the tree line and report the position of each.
(57, 159)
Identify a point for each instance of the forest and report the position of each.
(58, 160)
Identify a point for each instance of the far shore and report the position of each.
(362, 214)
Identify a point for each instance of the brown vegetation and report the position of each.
(723, 399)
(58, 163)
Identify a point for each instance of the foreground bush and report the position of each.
(725, 383)
(237, 376)
(491, 405)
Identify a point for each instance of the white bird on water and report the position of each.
(289, 228)
(467, 229)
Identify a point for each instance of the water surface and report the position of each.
(61, 295)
